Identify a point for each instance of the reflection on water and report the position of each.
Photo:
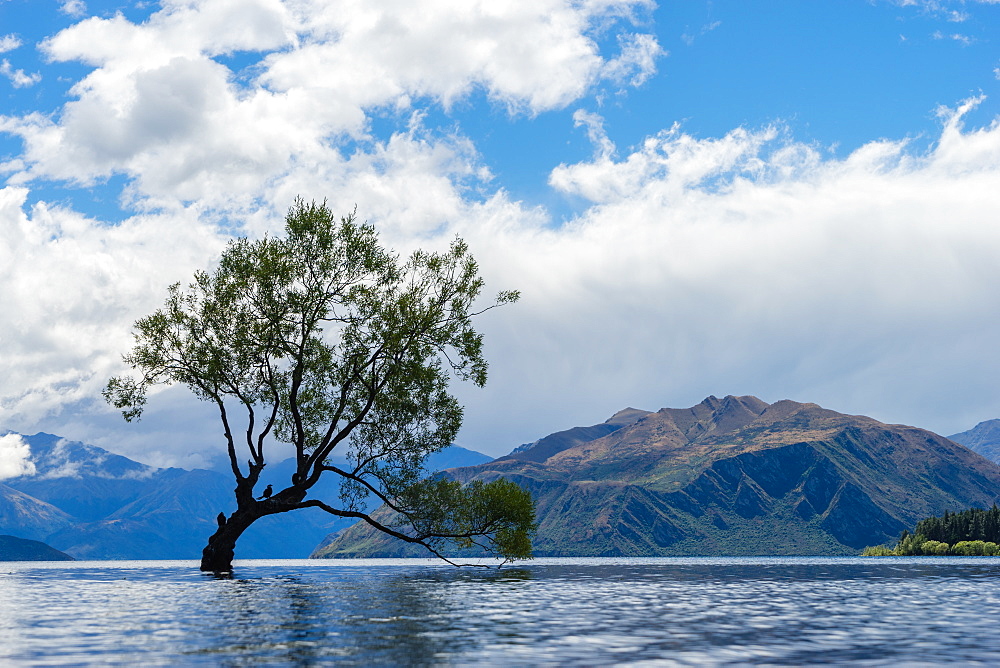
(569, 611)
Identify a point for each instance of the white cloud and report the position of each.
(15, 457)
(594, 124)
(637, 62)
(60, 465)
(671, 160)
(195, 142)
(72, 288)
(159, 109)
(9, 43)
(18, 77)
(752, 264)
(746, 263)
(689, 38)
(74, 8)
(964, 40)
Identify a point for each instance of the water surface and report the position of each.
(782, 611)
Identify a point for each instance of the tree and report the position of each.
(325, 340)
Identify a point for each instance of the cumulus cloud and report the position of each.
(160, 108)
(754, 264)
(74, 8)
(671, 160)
(206, 151)
(747, 263)
(9, 43)
(743, 263)
(15, 457)
(637, 61)
(18, 77)
(72, 288)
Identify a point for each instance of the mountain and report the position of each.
(94, 504)
(85, 481)
(454, 457)
(732, 476)
(27, 516)
(20, 549)
(543, 448)
(984, 438)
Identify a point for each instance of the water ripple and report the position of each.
(567, 612)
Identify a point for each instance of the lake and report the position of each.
(695, 611)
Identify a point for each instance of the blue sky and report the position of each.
(787, 199)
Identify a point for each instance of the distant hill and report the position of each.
(732, 476)
(94, 504)
(984, 438)
(20, 549)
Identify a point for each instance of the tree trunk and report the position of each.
(217, 557)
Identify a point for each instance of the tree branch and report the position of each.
(315, 503)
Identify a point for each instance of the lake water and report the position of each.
(781, 611)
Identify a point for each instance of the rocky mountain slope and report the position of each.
(732, 476)
(29, 517)
(93, 504)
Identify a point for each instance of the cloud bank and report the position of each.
(755, 264)
(748, 263)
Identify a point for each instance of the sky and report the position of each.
(794, 200)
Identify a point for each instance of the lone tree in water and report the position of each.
(325, 340)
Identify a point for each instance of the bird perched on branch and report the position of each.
(267, 493)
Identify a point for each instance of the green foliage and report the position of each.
(934, 548)
(498, 515)
(970, 533)
(325, 340)
(878, 551)
(972, 524)
(975, 548)
(910, 544)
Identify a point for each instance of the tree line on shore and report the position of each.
(970, 533)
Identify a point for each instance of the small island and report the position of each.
(970, 533)
(13, 548)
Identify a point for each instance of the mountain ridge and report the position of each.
(732, 476)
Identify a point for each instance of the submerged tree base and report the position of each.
(218, 555)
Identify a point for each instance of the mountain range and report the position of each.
(727, 476)
(731, 476)
(93, 504)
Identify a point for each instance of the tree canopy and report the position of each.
(325, 340)
(972, 532)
